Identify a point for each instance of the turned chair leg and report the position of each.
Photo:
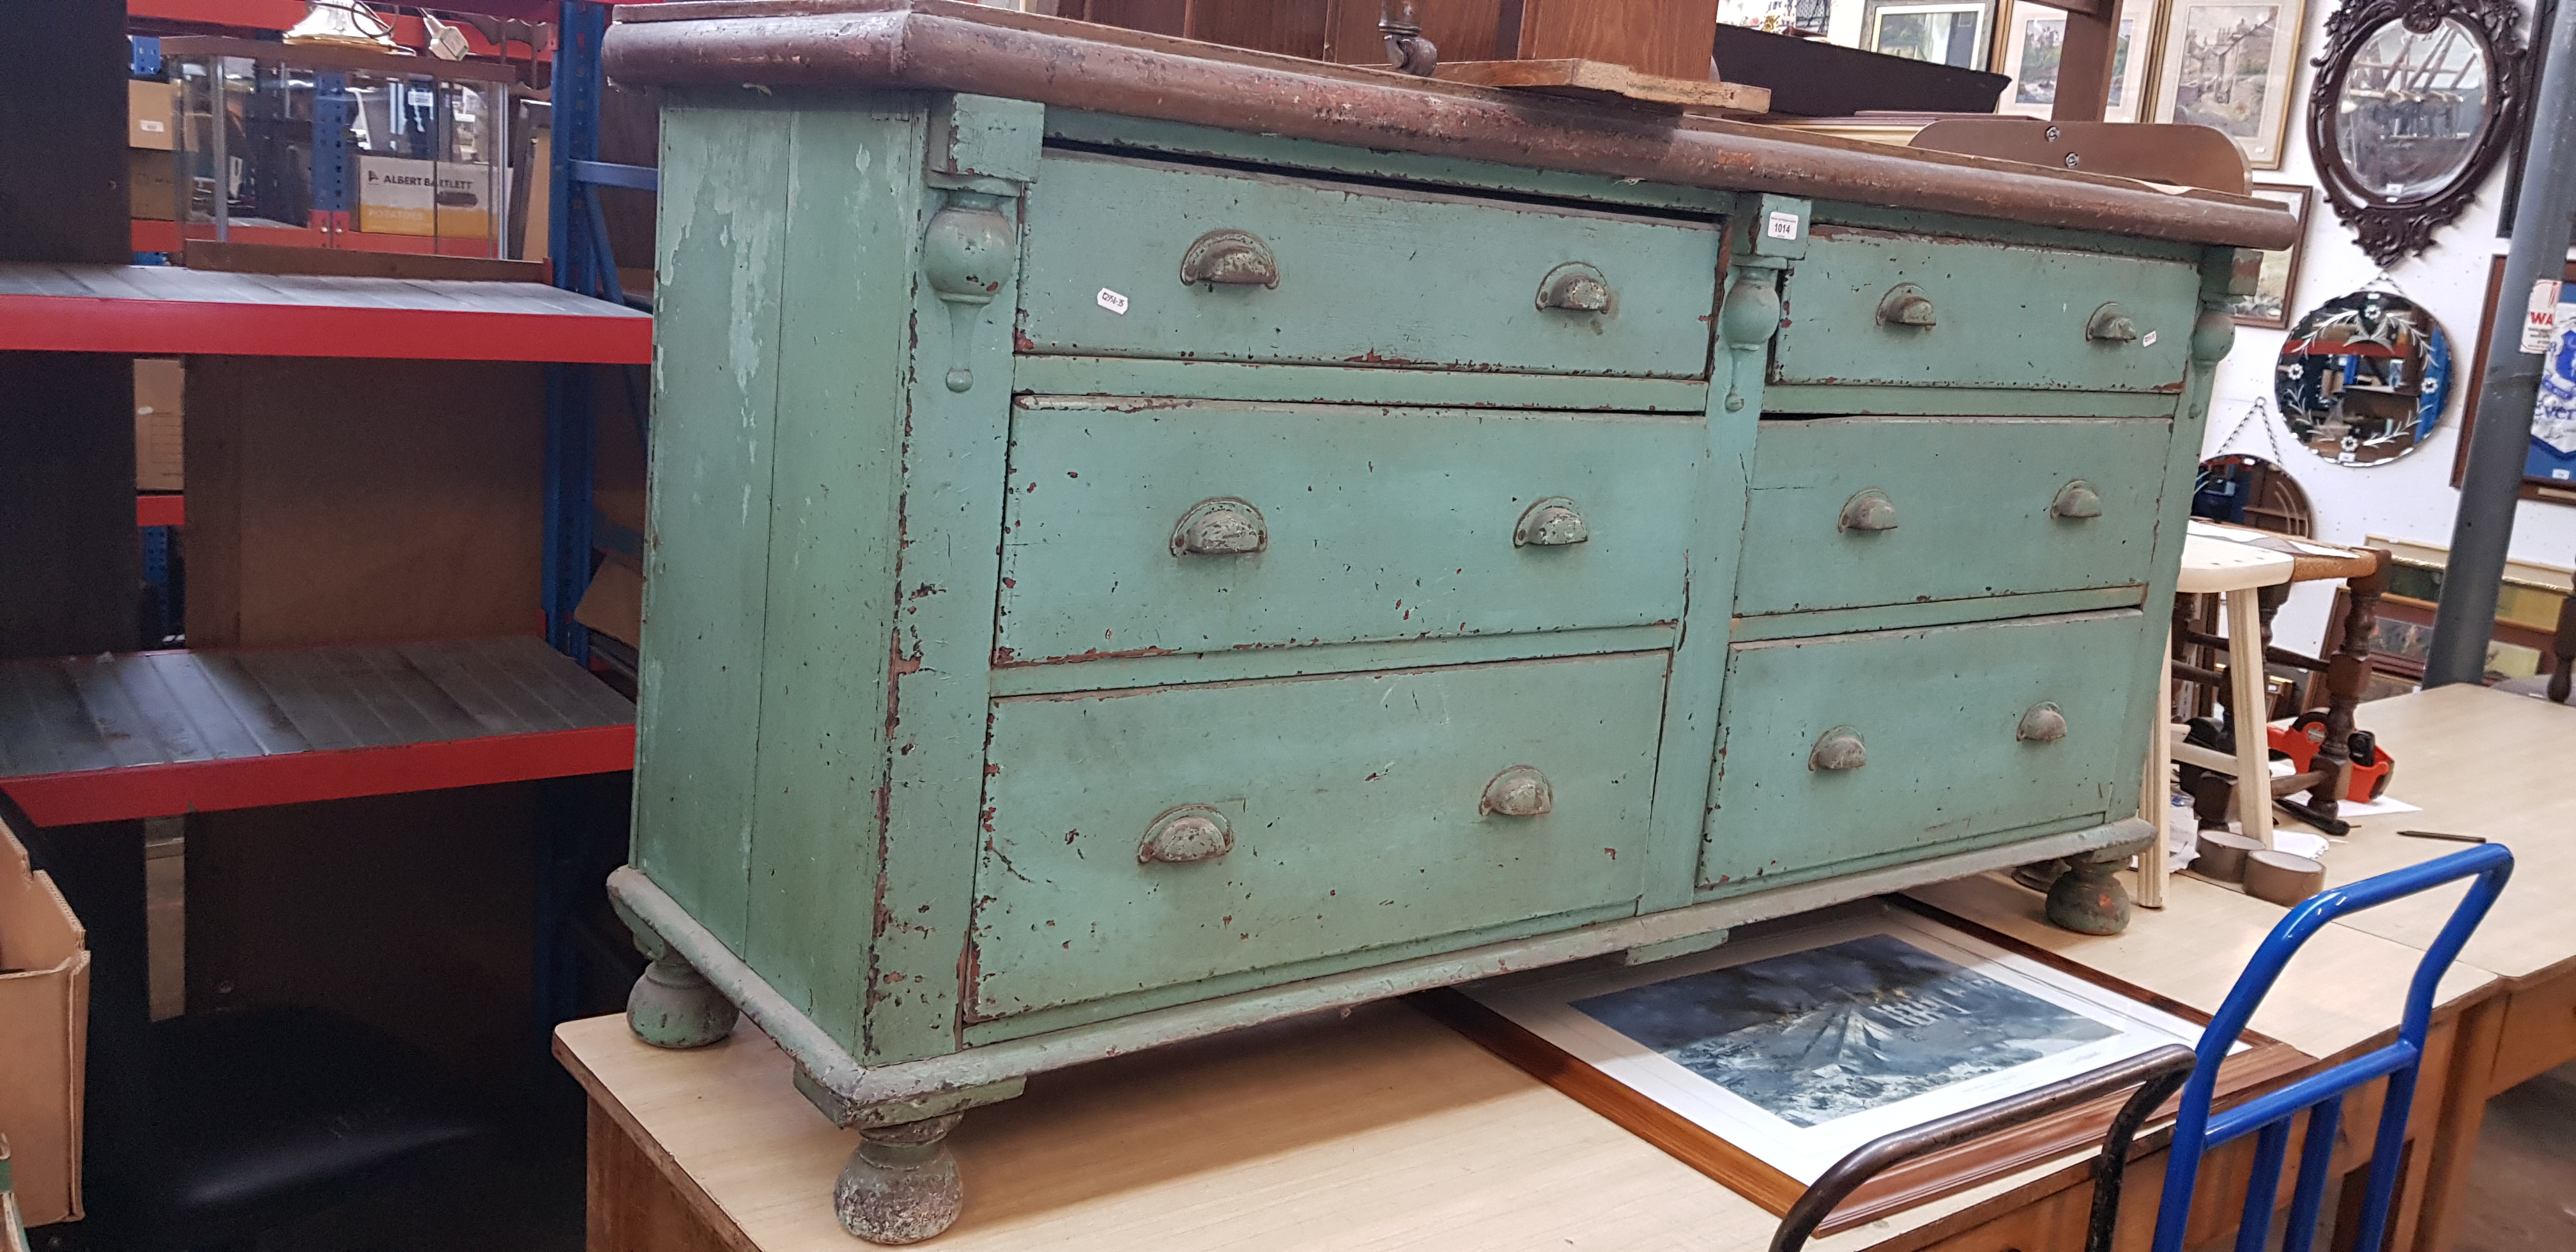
(2347, 676)
(900, 1184)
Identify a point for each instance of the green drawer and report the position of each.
(1365, 276)
(1375, 524)
(2000, 316)
(1352, 805)
(1940, 716)
(1981, 506)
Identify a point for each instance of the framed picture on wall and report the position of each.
(2232, 65)
(2033, 36)
(2269, 307)
(2549, 457)
(1944, 32)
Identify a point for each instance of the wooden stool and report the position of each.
(2238, 563)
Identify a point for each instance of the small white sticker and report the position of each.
(151, 127)
(1782, 226)
(2149, 341)
(1113, 302)
(421, 99)
(2540, 318)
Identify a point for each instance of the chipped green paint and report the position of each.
(1937, 715)
(1364, 824)
(1990, 317)
(1294, 550)
(1377, 524)
(1355, 265)
(1969, 499)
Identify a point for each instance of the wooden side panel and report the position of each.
(1667, 37)
(346, 500)
(1162, 17)
(957, 402)
(725, 190)
(1292, 27)
(1382, 524)
(1354, 806)
(68, 555)
(1971, 500)
(415, 914)
(852, 242)
(1939, 714)
(1463, 30)
(631, 1206)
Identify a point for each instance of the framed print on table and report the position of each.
(2232, 65)
(2033, 38)
(1763, 1062)
(2270, 304)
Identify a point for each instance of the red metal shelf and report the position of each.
(161, 510)
(168, 310)
(157, 734)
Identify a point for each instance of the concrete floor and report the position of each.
(2522, 1192)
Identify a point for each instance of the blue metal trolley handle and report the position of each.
(2196, 1130)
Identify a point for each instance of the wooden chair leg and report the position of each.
(2246, 715)
(2347, 676)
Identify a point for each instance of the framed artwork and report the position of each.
(2269, 307)
(2034, 36)
(1944, 32)
(1765, 1061)
(2414, 102)
(2232, 65)
(2549, 461)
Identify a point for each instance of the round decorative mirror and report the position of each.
(2363, 378)
(2412, 109)
(2413, 103)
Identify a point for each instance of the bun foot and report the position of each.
(674, 1006)
(900, 1185)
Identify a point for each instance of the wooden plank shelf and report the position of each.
(166, 310)
(1602, 80)
(156, 734)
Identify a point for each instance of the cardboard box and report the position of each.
(614, 605)
(160, 438)
(151, 185)
(148, 113)
(402, 196)
(44, 1036)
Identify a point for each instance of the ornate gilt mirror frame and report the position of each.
(2392, 227)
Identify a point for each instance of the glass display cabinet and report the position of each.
(280, 143)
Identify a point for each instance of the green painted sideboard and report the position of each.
(1148, 539)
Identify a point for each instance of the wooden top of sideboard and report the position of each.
(946, 45)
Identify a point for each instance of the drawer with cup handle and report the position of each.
(1838, 750)
(1145, 838)
(1148, 527)
(1872, 307)
(1853, 511)
(1150, 259)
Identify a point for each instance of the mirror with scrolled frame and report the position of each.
(2414, 102)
